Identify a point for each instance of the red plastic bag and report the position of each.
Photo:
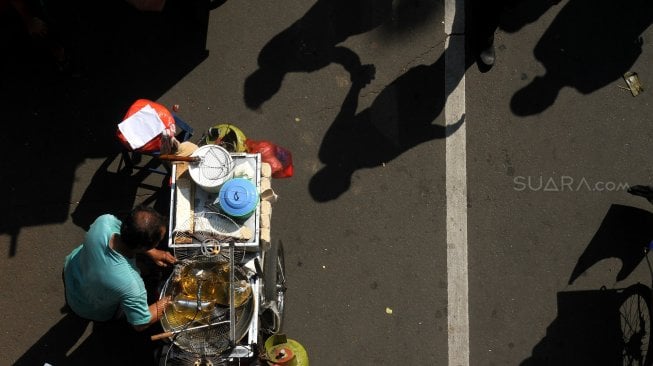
(280, 159)
(153, 145)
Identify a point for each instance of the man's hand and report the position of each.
(161, 257)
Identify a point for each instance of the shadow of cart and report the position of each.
(605, 326)
(597, 327)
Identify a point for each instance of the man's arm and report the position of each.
(162, 258)
(156, 313)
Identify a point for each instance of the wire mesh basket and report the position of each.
(215, 166)
(199, 316)
(209, 228)
(175, 356)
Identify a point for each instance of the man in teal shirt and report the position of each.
(101, 277)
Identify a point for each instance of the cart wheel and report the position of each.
(635, 316)
(274, 284)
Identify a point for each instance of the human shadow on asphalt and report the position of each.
(54, 120)
(400, 118)
(312, 42)
(74, 341)
(595, 327)
(590, 44)
(624, 234)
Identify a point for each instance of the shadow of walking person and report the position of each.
(590, 44)
(311, 43)
(400, 118)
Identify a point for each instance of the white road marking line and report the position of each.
(456, 187)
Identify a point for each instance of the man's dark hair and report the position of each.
(142, 228)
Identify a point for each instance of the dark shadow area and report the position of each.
(111, 343)
(590, 44)
(483, 18)
(624, 234)
(55, 120)
(408, 15)
(516, 14)
(312, 42)
(214, 4)
(114, 192)
(595, 327)
(642, 191)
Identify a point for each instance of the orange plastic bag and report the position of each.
(280, 159)
(153, 145)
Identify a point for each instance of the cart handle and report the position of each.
(170, 157)
(156, 337)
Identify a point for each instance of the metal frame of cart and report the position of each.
(263, 259)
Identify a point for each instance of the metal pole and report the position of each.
(232, 297)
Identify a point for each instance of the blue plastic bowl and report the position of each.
(238, 198)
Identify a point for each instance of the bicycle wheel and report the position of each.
(274, 285)
(635, 318)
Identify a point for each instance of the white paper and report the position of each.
(141, 127)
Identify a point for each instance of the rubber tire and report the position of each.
(638, 295)
(274, 277)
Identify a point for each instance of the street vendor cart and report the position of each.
(227, 289)
(226, 292)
